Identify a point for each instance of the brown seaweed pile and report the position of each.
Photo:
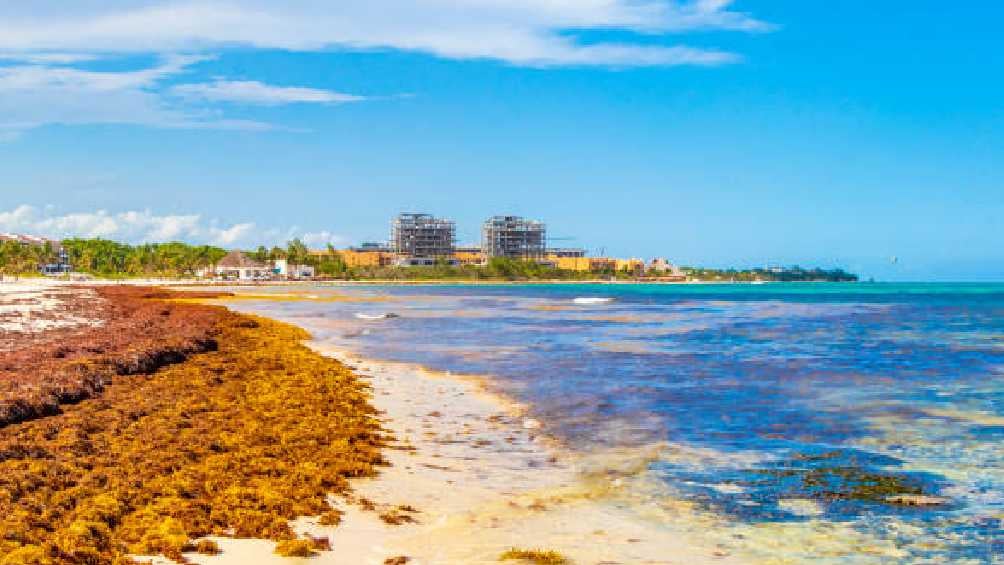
(137, 335)
(235, 441)
(540, 556)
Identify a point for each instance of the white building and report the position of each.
(236, 265)
(283, 269)
(663, 266)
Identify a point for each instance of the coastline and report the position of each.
(467, 476)
(182, 282)
(483, 478)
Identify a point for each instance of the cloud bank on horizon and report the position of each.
(45, 46)
(144, 226)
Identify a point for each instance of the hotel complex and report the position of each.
(426, 240)
(415, 240)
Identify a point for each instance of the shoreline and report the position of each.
(56, 283)
(466, 477)
(485, 477)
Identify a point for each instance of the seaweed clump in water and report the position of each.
(236, 441)
(843, 476)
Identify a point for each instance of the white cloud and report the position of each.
(321, 239)
(254, 92)
(522, 32)
(34, 95)
(47, 58)
(138, 226)
(44, 44)
(231, 235)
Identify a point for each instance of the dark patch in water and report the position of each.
(845, 482)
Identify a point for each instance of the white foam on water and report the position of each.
(587, 300)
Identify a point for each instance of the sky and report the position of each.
(856, 134)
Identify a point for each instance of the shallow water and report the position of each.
(793, 413)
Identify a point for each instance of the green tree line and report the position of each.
(19, 259)
(113, 259)
(789, 274)
(110, 258)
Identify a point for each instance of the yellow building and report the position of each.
(470, 257)
(631, 265)
(602, 264)
(581, 264)
(355, 258)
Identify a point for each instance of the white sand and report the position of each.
(37, 305)
(483, 480)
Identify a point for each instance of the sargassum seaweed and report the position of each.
(236, 441)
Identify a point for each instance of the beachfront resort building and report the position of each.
(238, 266)
(57, 259)
(422, 236)
(513, 237)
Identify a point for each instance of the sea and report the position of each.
(811, 422)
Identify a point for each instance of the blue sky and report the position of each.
(712, 132)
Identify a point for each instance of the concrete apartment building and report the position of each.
(422, 237)
(514, 237)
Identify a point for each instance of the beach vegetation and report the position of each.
(113, 259)
(787, 274)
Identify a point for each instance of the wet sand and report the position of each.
(482, 478)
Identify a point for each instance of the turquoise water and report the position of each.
(843, 395)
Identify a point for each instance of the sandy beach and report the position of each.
(468, 476)
(31, 306)
(483, 478)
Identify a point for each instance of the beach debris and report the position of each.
(206, 547)
(531, 424)
(296, 548)
(399, 560)
(538, 556)
(396, 517)
(332, 517)
(589, 300)
(320, 543)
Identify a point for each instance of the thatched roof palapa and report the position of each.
(239, 260)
